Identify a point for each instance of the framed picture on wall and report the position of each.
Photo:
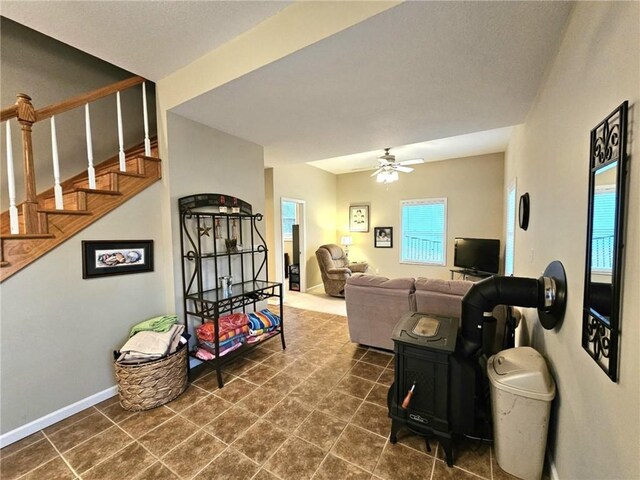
(115, 257)
(359, 218)
(383, 237)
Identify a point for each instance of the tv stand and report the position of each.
(464, 273)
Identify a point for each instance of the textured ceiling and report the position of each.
(417, 72)
(148, 38)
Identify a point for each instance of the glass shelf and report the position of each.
(237, 290)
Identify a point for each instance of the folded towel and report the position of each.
(229, 347)
(263, 319)
(261, 331)
(148, 343)
(206, 334)
(226, 324)
(211, 346)
(157, 324)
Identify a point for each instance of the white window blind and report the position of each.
(509, 251)
(423, 230)
(604, 221)
(288, 219)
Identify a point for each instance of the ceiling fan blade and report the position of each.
(413, 161)
(363, 169)
(377, 172)
(404, 169)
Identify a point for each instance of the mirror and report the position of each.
(603, 268)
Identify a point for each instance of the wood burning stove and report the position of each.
(424, 346)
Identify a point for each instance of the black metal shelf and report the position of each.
(202, 229)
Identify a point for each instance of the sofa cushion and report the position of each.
(441, 297)
(364, 280)
(451, 287)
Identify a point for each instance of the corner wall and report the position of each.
(205, 160)
(318, 189)
(594, 424)
(472, 186)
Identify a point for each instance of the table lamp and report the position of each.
(346, 241)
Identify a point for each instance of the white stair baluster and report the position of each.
(57, 189)
(123, 163)
(147, 142)
(14, 226)
(90, 170)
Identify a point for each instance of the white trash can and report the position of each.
(521, 393)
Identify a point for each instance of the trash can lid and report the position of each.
(522, 371)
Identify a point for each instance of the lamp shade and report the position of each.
(346, 240)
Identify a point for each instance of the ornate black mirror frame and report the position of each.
(604, 255)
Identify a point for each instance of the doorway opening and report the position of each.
(293, 244)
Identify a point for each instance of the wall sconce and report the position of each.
(346, 241)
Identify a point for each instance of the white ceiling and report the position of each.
(150, 38)
(477, 143)
(418, 72)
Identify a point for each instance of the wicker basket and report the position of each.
(152, 384)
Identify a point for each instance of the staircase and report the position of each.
(42, 227)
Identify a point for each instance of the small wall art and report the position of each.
(115, 257)
(383, 237)
(359, 218)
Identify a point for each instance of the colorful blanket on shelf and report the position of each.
(204, 354)
(262, 322)
(225, 346)
(228, 327)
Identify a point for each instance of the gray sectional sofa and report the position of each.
(375, 304)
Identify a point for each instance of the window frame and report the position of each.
(287, 237)
(511, 188)
(425, 201)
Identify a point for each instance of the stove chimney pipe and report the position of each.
(547, 293)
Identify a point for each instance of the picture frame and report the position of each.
(383, 237)
(359, 218)
(523, 211)
(116, 257)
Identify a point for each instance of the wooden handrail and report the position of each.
(79, 100)
(8, 113)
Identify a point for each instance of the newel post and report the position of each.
(26, 118)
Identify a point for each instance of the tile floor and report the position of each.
(317, 410)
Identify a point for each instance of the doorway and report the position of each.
(292, 223)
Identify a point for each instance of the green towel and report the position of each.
(158, 324)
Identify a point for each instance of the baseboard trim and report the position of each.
(314, 287)
(65, 412)
(54, 417)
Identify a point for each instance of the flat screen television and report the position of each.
(477, 254)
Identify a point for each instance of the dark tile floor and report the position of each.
(317, 410)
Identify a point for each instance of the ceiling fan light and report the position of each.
(387, 177)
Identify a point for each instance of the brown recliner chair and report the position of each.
(335, 268)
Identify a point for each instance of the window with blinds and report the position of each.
(423, 231)
(604, 222)
(288, 219)
(509, 251)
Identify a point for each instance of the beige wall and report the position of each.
(51, 71)
(59, 331)
(594, 430)
(205, 160)
(318, 189)
(472, 186)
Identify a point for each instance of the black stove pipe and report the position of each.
(485, 295)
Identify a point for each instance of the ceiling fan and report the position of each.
(388, 167)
